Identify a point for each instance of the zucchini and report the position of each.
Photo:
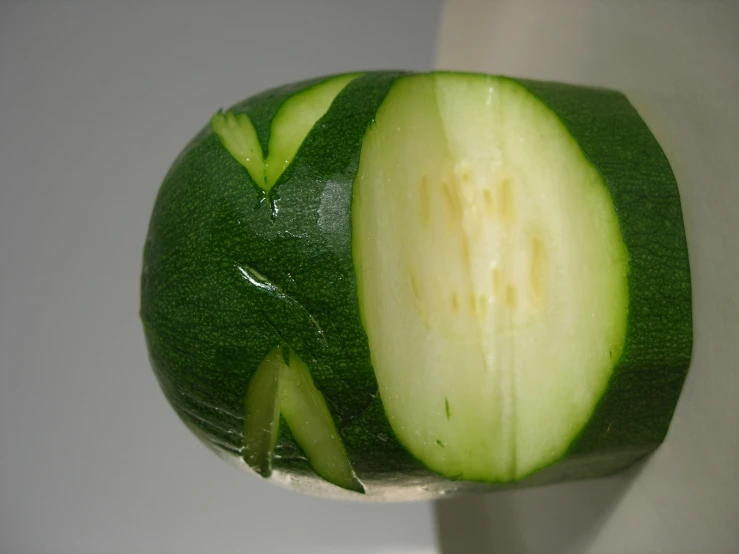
(404, 285)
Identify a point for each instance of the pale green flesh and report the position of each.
(292, 123)
(491, 274)
(294, 120)
(262, 416)
(284, 389)
(238, 135)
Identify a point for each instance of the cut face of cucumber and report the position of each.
(492, 275)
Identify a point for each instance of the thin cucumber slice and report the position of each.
(292, 123)
(238, 135)
(262, 415)
(285, 387)
(294, 120)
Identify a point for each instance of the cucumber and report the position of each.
(282, 386)
(403, 285)
(292, 123)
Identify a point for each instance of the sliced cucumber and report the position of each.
(262, 414)
(492, 275)
(479, 280)
(285, 387)
(240, 138)
(294, 120)
(292, 123)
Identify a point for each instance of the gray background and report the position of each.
(677, 62)
(96, 99)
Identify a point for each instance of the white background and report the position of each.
(96, 99)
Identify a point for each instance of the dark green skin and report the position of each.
(207, 328)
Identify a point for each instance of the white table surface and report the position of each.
(678, 62)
